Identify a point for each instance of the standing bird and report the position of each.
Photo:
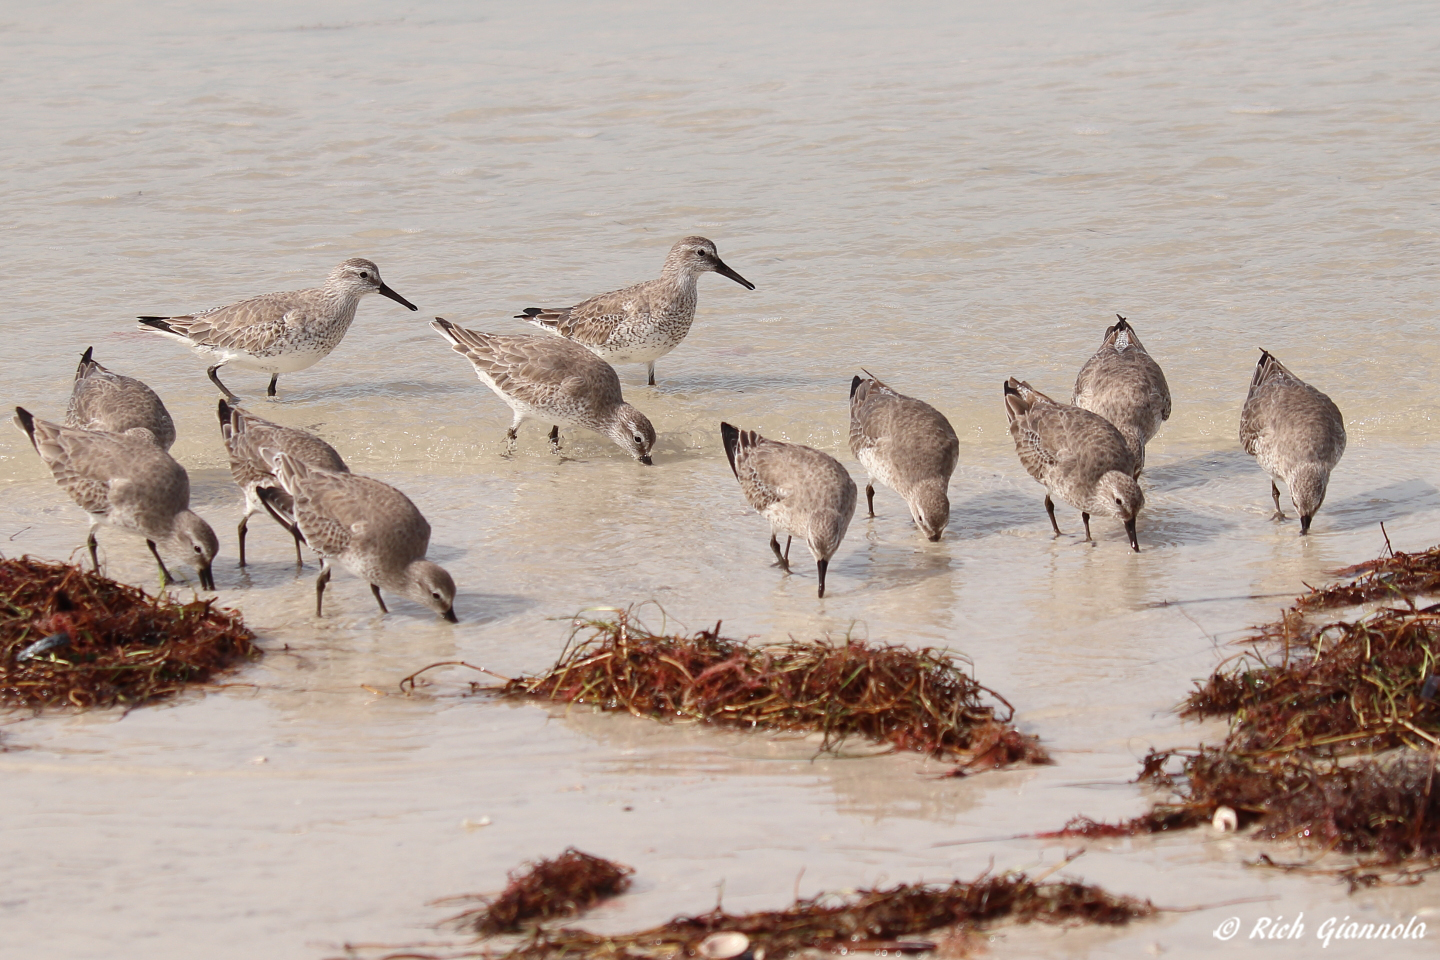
(907, 445)
(104, 400)
(278, 332)
(546, 378)
(1125, 385)
(641, 323)
(244, 434)
(801, 491)
(371, 528)
(1296, 434)
(125, 481)
(1079, 456)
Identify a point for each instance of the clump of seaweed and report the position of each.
(917, 700)
(544, 890)
(1387, 809)
(881, 921)
(869, 920)
(1392, 577)
(71, 638)
(1345, 686)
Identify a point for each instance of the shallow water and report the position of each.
(943, 196)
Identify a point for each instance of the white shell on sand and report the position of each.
(723, 945)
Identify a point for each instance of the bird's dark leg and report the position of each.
(787, 552)
(781, 560)
(295, 532)
(375, 589)
(870, 497)
(1050, 509)
(90, 542)
(244, 522)
(650, 369)
(510, 436)
(165, 578)
(1085, 518)
(822, 565)
(555, 438)
(274, 379)
(320, 582)
(1275, 493)
(215, 379)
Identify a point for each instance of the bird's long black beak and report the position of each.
(1305, 525)
(647, 461)
(724, 271)
(1130, 529)
(207, 577)
(385, 291)
(449, 616)
(822, 565)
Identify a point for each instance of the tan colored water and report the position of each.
(944, 194)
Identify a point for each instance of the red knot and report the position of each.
(555, 381)
(369, 527)
(641, 323)
(1125, 385)
(802, 492)
(244, 434)
(1295, 433)
(107, 401)
(125, 481)
(907, 445)
(277, 333)
(1079, 456)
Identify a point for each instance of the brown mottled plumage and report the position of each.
(802, 492)
(1079, 456)
(124, 480)
(104, 400)
(1125, 385)
(278, 332)
(244, 434)
(643, 322)
(553, 380)
(907, 445)
(1295, 432)
(371, 528)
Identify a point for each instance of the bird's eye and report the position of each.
(364, 275)
(1117, 501)
(639, 439)
(435, 595)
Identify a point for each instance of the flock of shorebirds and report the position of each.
(111, 455)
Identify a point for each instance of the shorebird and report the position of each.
(244, 434)
(1079, 456)
(107, 401)
(907, 445)
(801, 491)
(277, 332)
(124, 480)
(641, 323)
(1296, 434)
(551, 379)
(372, 529)
(1125, 385)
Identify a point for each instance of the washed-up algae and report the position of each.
(1334, 729)
(917, 700)
(562, 886)
(71, 638)
(882, 921)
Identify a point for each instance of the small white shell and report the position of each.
(1225, 819)
(723, 945)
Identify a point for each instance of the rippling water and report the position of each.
(946, 195)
